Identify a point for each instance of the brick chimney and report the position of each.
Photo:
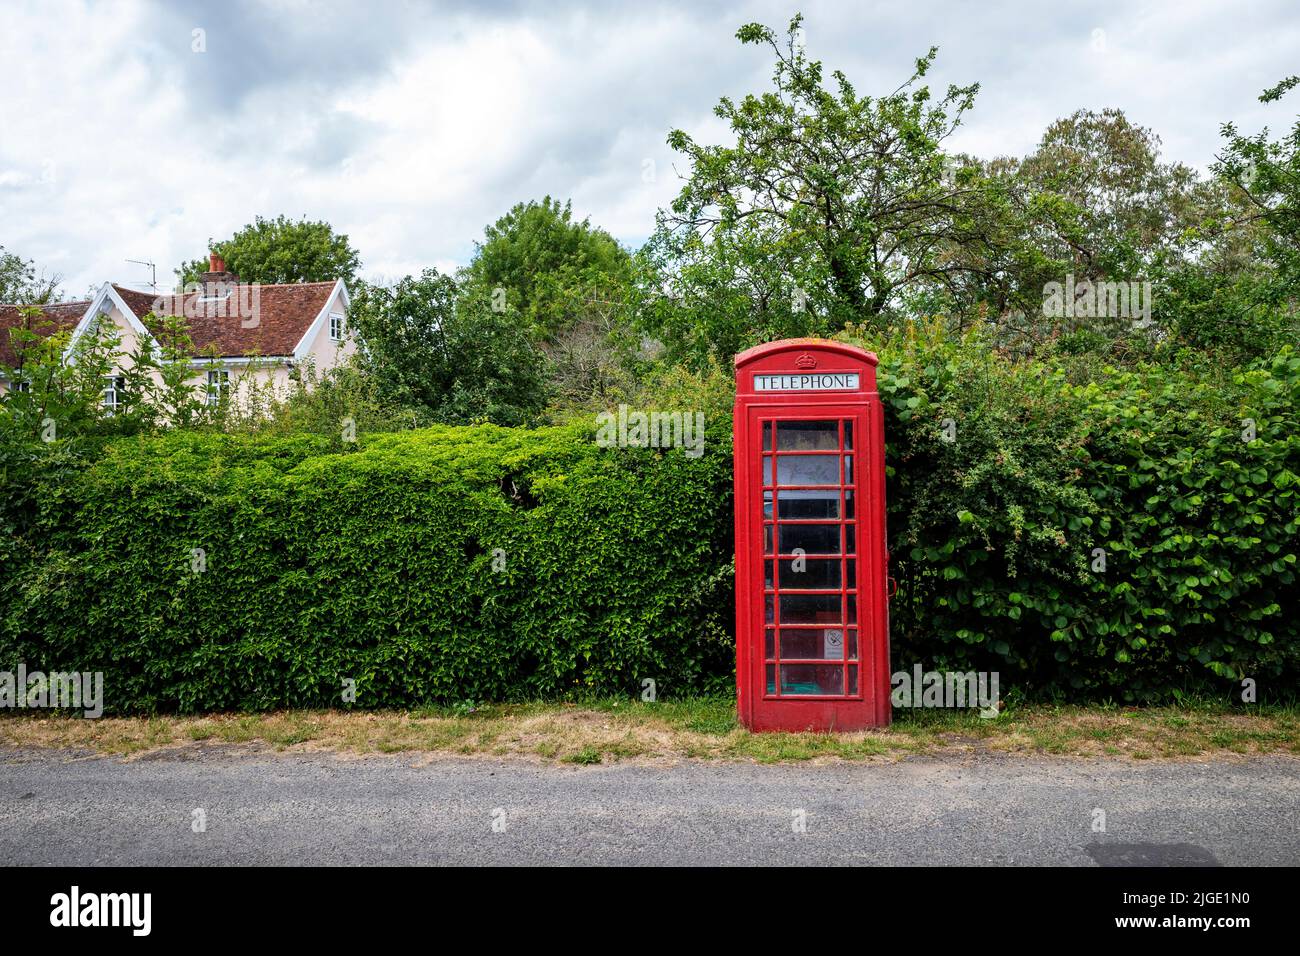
(217, 280)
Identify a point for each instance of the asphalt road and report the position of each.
(267, 808)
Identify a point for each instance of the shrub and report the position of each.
(1116, 538)
(378, 565)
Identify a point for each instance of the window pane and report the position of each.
(807, 573)
(848, 503)
(768, 607)
(850, 539)
(771, 678)
(808, 469)
(767, 539)
(815, 643)
(853, 679)
(767, 436)
(848, 434)
(807, 436)
(812, 679)
(810, 608)
(804, 503)
(812, 538)
(848, 469)
(853, 643)
(769, 644)
(767, 469)
(767, 504)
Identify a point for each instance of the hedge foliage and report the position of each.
(1123, 536)
(375, 563)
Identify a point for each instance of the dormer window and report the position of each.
(336, 327)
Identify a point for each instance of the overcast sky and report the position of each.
(124, 134)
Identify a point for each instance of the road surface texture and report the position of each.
(268, 808)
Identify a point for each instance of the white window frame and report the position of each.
(113, 393)
(218, 381)
(338, 326)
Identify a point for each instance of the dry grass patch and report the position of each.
(605, 731)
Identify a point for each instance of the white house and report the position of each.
(246, 332)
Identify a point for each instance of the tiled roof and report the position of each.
(266, 320)
(53, 318)
(253, 320)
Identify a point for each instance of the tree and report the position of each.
(536, 254)
(159, 378)
(1246, 293)
(593, 355)
(279, 251)
(708, 298)
(1094, 202)
(572, 286)
(847, 196)
(21, 283)
(1120, 210)
(448, 352)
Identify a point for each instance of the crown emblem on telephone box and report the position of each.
(805, 361)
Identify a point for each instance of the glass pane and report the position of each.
(807, 436)
(808, 469)
(850, 539)
(771, 678)
(767, 574)
(853, 643)
(853, 679)
(767, 436)
(812, 679)
(853, 609)
(817, 643)
(804, 503)
(848, 503)
(768, 605)
(848, 434)
(767, 539)
(812, 538)
(810, 608)
(848, 469)
(769, 644)
(767, 469)
(767, 504)
(807, 573)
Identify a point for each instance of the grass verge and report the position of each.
(601, 731)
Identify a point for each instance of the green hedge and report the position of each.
(377, 565)
(995, 534)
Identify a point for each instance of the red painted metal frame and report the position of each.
(758, 709)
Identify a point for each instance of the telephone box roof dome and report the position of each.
(791, 345)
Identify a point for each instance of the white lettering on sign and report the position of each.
(807, 382)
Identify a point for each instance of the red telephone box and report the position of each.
(812, 627)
